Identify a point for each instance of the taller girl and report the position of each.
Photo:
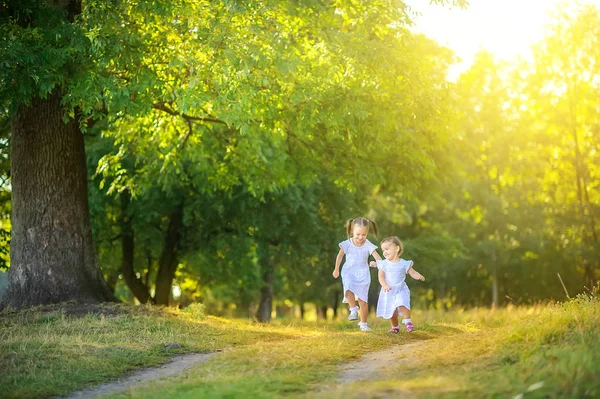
(356, 277)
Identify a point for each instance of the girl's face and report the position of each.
(390, 251)
(359, 234)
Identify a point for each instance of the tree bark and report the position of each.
(169, 259)
(53, 258)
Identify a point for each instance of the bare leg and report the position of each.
(394, 318)
(364, 310)
(405, 312)
(350, 298)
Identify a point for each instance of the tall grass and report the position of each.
(546, 351)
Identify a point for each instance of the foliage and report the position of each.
(270, 123)
(519, 196)
(252, 145)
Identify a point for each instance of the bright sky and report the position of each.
(505, 28)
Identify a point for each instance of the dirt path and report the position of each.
(178, 365)
(371, 365)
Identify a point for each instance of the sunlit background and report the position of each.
(505, 28)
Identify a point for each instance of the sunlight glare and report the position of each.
(505, 28)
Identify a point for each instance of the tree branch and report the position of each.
(165, 108)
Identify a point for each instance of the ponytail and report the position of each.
(349, 224)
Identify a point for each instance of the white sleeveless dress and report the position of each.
(399, 295)
(356, 276)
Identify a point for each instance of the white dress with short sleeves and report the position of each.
(399, 295)
(356, 276)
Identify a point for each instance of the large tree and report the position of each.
(52, 253)
(65, 66)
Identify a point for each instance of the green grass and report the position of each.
(46, 353)
(463, 354)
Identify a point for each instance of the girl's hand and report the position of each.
(373, 264)
(420, 277)
(336, 273)
(387, 288)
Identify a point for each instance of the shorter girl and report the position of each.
(356, 276)
(395, 295)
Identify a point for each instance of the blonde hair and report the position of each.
(394, 240)
(362, 222)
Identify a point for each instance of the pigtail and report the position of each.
(349, 227)
(363, 222)
(375, 230)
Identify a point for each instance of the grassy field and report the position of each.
(548, 351)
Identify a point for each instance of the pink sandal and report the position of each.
(410, 327)
(394, 330)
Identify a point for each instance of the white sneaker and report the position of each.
(363, 326)
(353, 314)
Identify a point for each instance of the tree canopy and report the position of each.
(227, 142)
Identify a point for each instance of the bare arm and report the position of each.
(381, 276)
(338, 262)
(415, 274)
(377, 257)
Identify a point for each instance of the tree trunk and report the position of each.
(53, 258)
(442, 295)
(169, 259)
(495, 302)
(266, 294)
(322, 312)
(335, 304)
(135, 283)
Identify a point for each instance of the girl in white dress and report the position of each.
(394, 296)
(356, 276)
